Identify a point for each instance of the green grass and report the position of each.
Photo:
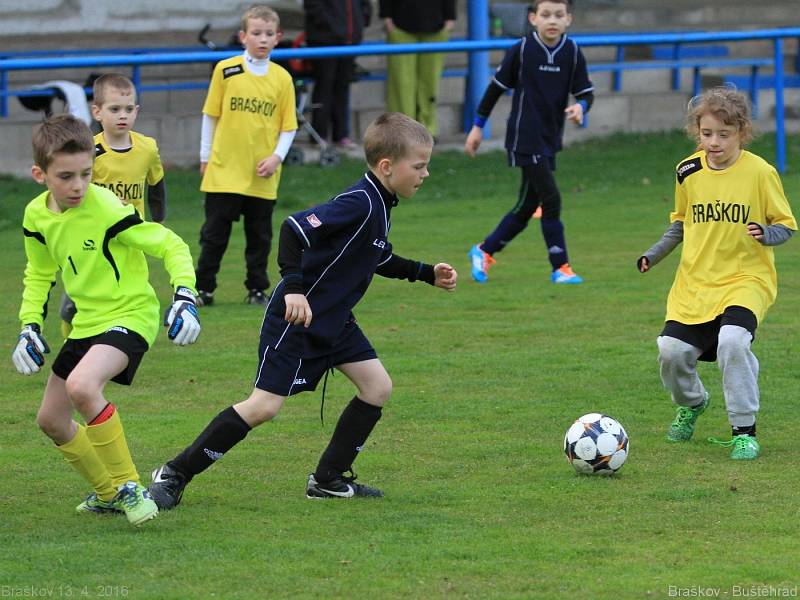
(480, 501)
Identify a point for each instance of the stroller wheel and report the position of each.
(295, 157)
(329, 158)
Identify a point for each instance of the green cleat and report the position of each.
(136, 502)
(745, 447)
(682, 427)
(93, 504)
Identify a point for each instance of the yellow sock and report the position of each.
(108, 440)
(81, 456)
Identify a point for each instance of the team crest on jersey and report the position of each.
(688, 167)
(231, 71)
(313, 220)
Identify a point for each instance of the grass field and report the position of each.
(480, 501)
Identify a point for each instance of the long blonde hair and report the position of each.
(726, 104)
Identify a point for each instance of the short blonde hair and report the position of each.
(726, 104)
(260, 11)
(111, 81)
(392, 135)
(61, 133)
(534, 6)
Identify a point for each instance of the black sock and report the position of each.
(749, 430)
(354, 426)
(223, 432)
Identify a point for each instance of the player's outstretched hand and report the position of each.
(643, 264)
(29, 354)
(473, 140)
(181, 320)
(298, 311)
(445, 276)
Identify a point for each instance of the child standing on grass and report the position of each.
(543, 69)
(249, 123)
(125, 162)
(730, 210)
(328, 255)
(99, 244)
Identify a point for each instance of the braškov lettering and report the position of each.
(720, 211)
(253, 105)
(126, 191)
(694, 591)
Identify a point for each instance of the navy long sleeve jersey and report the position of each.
(542, 79)
(330, 253)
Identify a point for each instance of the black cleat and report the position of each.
(167, 487)
(341, 487)
(256, 297)
(204, 298)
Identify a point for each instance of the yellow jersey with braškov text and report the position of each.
(251, 110)
(721, 265)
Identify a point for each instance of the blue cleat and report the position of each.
(480, 262)
(565, 274)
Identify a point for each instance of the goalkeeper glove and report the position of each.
(183, 325)
(29, 354)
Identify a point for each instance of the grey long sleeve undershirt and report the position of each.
(774, 235)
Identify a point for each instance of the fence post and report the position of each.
(676, 73)
(617, 77)
(754, 90)
(780, 133)
(478, 70)
(3, 92)
(136, 79)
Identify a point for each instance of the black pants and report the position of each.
(221, 211)
(538, 187)
(331, 96)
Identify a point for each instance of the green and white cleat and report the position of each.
(93, 504)
(136, 502)
(745, 447)
(682, 427)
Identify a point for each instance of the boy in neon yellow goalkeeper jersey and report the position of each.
(99, 245)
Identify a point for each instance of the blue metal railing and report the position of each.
(478, 72)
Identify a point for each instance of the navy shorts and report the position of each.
(129, 342)
(705, 335)
(286, 375)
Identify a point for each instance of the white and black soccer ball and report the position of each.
(596, 444)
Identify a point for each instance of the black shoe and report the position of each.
(204, 298)
(256, 297)
(167, 487)
(341, 487)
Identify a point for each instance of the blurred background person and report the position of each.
(334, 23)
(412, 84)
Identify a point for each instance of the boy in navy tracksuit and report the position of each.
(328, 255)
(543, 69)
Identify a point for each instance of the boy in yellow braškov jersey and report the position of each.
(249, 123)
(126, 162)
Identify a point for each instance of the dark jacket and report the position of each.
(418, 16)
(336, 22)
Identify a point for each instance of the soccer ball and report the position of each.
(596, 444)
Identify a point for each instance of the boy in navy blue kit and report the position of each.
(328, 255)
(543, 69)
